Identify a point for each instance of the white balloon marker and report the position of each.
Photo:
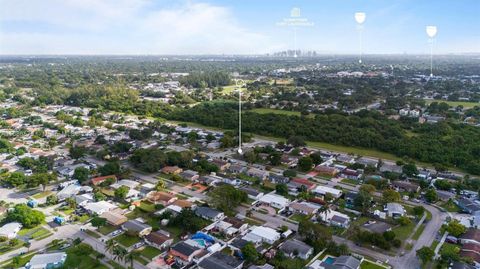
(360, 18)
(239, 84)
(431, 32)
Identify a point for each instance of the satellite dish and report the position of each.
(431, 31)
(360, 17)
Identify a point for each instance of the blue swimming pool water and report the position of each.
(329, 260)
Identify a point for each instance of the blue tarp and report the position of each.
(203, 236)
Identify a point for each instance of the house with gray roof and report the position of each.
(220, 260)
(47, 261)
(342, 262)
(294, 248)
(209, 213)
(136, 227)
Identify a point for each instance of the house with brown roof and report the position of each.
(301, 183)
(183, 203)
(325, 170)
(99, 180)
(160, 197)
(159, 239)
(171, 170)
(471, 236)
(470, 250)
(304, 208)
(221, 164)
(114, 218)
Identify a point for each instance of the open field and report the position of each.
(455, 103)
(278, 111)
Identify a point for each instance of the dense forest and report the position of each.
(443, 143)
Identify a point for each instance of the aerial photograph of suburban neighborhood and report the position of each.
(221, 134)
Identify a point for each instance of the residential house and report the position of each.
(424, 174)
(159, 239)
(252, 193)
(350, 198)
(345, 159)
(323, 190)
(472, 236)
(278, 179)
(335, 218)
(114, 218)
(368, 162)
(274, 200)
(341, 262)
(392, 168)
(262, 234)
(265, 266)
(406, 186)
(237, 169)
(301, 184)
(189, 175)
(137, 228)
(394, 210)
(160, 197)
(99, 180)
(467, 205)
(98, 208)
(68, 192)
(10, 230)
(171, 170)
(220, 260)
(221, 164)
(351, 174)
(257, 173)
(471, 250)
(209, 213)
(184, 252)
(293, 248)
(47, 261)
(304, 208)
(325, 170)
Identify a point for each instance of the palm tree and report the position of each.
(119, 253)
(131, 257)
(109, 245)
(324, 210)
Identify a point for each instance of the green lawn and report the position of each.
(450, 206)
(278, 111)
(92, 233)
(107, 229)
(115, 265)
(150, 252)
(418, 232)
(403, 232)
(298, 217)
(24, 259)
(369, 265)
(77, 259)
(455, 103)
(35, 233)
(127, 240)
(41, 194)
(147, 206)
(141, 260)
(447, 247)
(349, 181)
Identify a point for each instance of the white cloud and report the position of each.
(126, 26)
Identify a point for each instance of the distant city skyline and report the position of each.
(161, 27)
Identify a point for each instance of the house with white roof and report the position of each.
(99, 207)
(335, 218)
(68, 191)
(394, 210)
(322, 190)
(10, 230)
(274, 200)
(47, 261)
(262, 234)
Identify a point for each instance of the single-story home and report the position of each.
(10, 230)
(99, 207)
(262, 234)
(160, 197)
(47, 261)
(335, 218)
(114, 218)
(189, 175)
(394, 210)
(137, 228)
(325, 170)
(274, 200)
(293, 248)
(304, 208)
(220, 260)
(209, 213)
(322, 190)
(99, 180)
(184, 253)
(171, 170)
(159, 239)
(471, 236)
(301, 183)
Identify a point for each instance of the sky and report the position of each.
(174, 27)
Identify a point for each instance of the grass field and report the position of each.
(403, 232)
(92, 234)
(418, 232)
(450, 206)
(150, 252)
(127, 240)
(370, 265)
(455, 103)
(106, 229)
(276, 111)
(41, 194)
